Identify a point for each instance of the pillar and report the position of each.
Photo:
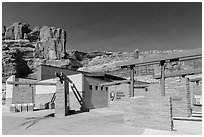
(188, 97)
(62, 98)
(131, 93)
(162, 63)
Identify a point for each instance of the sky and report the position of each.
(116, 26)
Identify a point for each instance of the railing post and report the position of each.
(171, 115)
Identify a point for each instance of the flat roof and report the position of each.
(100, 75)
(192, 54)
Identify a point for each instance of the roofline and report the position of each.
(195, 79)
(193, 53)
(180, 73)
(62, 68)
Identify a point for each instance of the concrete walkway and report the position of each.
(95, 122)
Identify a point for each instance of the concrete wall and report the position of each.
(22, 94)
(48, 72)
(119, 91)
(9, 87)
(176, 88)
(44, 93)
(95, 96)
(196, 89)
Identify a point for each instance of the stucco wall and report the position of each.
(45, 89)
(118, 91)
(95, 96)
(44, 93)
(20, 93)
(196, 89)
(48, 72)
(9, 87)
(23, 94)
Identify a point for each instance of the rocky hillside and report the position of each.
(24, 48)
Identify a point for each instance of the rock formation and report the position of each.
(3, 31)
(16, 31)
(33, 36)
(136, 54)
(51, 44)
(23, 49)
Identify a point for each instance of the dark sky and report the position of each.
(115, 26)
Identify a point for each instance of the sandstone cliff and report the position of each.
(24, 48)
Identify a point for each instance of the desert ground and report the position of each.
(102, 121)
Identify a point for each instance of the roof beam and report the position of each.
(30, 83)
(195, 79)
(114, 83)
(180, 73)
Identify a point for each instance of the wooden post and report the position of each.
(66, 92)
(162, 78)
(171, 116)
(188, 97)
(131, 94)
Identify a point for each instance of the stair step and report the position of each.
(196, 115)
(196, 112)
(187, 118)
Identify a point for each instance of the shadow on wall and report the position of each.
(22, 69)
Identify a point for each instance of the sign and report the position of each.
(112, 95)
(197, 100)
(119, 95)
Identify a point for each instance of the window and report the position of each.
(90, 86)
(106, 88)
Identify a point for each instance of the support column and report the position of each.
(188, 97)
(131, 94)
(62, 98)
(162, 63)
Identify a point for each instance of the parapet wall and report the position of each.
(95, 97)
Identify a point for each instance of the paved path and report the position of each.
(95, 122)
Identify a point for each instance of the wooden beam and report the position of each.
(141, 86)
(195, 79)
(180, 73)
(29, 83)
(115, 83)
(192, 54)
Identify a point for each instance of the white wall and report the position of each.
(44, 89)
(9, 87)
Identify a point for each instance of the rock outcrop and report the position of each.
(15, 57)
(50, 41)
(3, 31)
(16, 31)
(33, 36)
(51, 44)
(23, 49)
